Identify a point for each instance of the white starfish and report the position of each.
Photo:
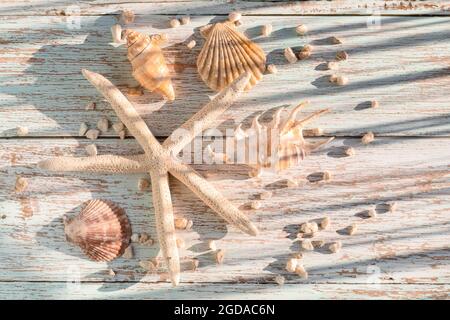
(159, 160)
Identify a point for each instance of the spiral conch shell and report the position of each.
(278, 144)
(102, 230)
(227, 54)
(149, 66)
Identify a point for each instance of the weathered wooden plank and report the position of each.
(341, 7)
(408, 246)
(32, 290)
(404, 66)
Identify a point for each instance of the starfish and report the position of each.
(160, 160)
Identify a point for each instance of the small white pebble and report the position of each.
(103, 125)
(309, 227)
(191, 44)
(324, 223)
(300, 270)
(341, 55)
(279, 280)
(367, 138)
(351, 229)
(22, 131)
(90, 106)
(212, 245)
(83, 129)
(266, 30)
(333, 78)
(122, 134)
(374, 104)
(135, 237)
(304, 54)
(256, 173)
(271, 68)
(301, 29)
(335, 246)
(349, 151)
(180, 223)
(265, 195)
(127, 16)
(143, 237)
(185, 20)
(255, 205)
(342, 80)
(220, 256)
(143, 184)
(91, 149)
(307, 245)
(332, 65)
(189, 224)
(21, 184)
(128, 253)
(290, 55)
(174, 23)
(111, 272)
(234, 16)
(291, 264)
(392, 207)
(371, 213)
(118, 126)
(92, 134)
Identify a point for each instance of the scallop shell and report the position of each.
(226, 55)
(102, 230)
(278, 144)
(149, 66)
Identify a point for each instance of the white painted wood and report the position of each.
(314, 7)
(404, 66)
(197, 291)
(409, 246)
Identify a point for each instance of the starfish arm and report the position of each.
(213, 198)
(126, 113)
(205, 118)
(103, 163)
(165, 223)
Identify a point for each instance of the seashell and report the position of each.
(278, 144)
(226, 55)
(102, 230)
(149, 66)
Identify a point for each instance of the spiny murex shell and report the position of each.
(227, 54)
(278, 144)
(149, 66)
(102, 230)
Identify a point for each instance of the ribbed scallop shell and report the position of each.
(102, 230)
(149, 66)
(226, 55)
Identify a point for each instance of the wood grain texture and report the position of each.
(340, 7)
(404, 65)
(32, 290)
(409, 246)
